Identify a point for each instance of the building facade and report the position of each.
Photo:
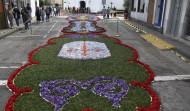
(95, 5)
(171, 17)
(4, 23)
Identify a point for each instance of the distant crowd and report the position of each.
(14, 13)
(109, 11)
(76, 10)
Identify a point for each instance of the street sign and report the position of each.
(103, 2)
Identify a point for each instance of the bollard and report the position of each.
(117, 35)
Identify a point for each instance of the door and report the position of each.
(160, 13)
(188, 27)
(2, 15)
(176, 17)
(150, 12)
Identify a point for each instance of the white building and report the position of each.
(171, 17)
(95, 5)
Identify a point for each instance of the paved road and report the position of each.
(174, 94)
(14, 49)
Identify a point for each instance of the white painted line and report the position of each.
(23, 36)
(3, 82)
(41, 26)
(172, 78)
(50, 29)
(10, 67)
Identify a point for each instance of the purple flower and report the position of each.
(55, 94)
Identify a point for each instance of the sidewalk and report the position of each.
(5, 32)
(181, 46)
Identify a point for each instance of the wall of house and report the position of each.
(33, 6)
(168, 16)
(140, 15)
(95, 5)
(183, 20)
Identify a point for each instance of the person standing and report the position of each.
(115, 11)
(38, 15)
(54, 11)
(43, 14)
(10, 15)
(29, 9)
(111, 12)
(58, 11)
(25, 17)
(108, 12)
(104, 12)
(47, 14)
(125, 13)
(16, 14)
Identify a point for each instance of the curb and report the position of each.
(172, 50)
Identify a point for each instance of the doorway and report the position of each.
(188, 29)
(82, 4)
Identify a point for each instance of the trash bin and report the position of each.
(125, 16)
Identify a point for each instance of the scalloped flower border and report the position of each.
(65, 30)
(156, 103)
(80, 20)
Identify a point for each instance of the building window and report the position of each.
(141, 5)
(133, 8)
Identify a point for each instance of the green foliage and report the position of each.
(47, 3)
(52, 68)
(41, 3)
(126, 3)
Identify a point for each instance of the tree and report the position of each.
(47, 3)
(126, 3)
(56, 4)
(41, 3)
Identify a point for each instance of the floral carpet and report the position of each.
(83, 70)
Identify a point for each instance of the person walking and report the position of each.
(115, 11)
(38, 15)
(10, 15)
(43, 14)
(47, 14)
(16, 14)
(25, 17)
(104, 12)
(108, 12)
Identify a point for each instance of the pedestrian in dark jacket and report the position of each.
(38, 15)
(47, 14)
(25, 17)
(16, 14)
(108, 12)
(29, 9)
(115, 11)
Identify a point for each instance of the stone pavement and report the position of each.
(5, 32)
(174, 94)
(172, 74)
